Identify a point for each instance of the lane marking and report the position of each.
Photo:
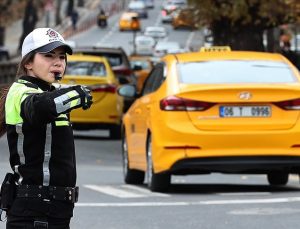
(215, 202)
(144, 191)
(245, 194)
(109, 190)
(189, 40)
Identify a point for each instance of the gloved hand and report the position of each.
(85, 96)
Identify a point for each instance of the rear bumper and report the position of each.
(178, 147)
(251, 165)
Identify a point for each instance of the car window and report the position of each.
(142, 63)
(113, 59)
(235, 71)
(86, 68)
(154, 80)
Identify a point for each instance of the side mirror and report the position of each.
(128, 91)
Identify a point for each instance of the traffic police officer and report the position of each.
(40, 136)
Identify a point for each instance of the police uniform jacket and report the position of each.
(41, 143)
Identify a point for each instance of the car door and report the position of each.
(143, 110)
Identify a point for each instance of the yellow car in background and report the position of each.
(107, 108)
(129, 21)
(203, 112)
(141, 65)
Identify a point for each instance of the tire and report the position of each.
(115, 132)
(157, 182)
(131, 176)
(278, 178)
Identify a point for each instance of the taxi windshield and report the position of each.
(235, 71)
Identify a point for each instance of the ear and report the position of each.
(28, 66)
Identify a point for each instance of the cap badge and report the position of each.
(52, 34)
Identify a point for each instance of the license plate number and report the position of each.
(245, 111)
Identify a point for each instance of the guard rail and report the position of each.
(8, 70)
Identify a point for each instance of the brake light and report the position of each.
(110, 88)
(124, 71)
(163, 13)
(173, 103)
(289, 104)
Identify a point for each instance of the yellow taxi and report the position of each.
(204, 112)
(129, 21)
(141, 66)
(107, 108)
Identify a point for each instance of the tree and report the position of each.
(9, 11)
(241, 23)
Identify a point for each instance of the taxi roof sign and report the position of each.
(215, 49)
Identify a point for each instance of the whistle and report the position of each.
(57, 76)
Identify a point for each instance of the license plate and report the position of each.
(245, 111)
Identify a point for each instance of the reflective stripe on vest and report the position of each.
(20, 144)
(67, 101)
(47, 156)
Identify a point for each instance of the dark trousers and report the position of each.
(20, 222)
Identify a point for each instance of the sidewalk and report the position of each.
(87, 18)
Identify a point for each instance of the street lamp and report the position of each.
(135, 26)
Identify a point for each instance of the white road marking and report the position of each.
(145, 191)
(264, 211)
(252, 201)
(216, 202)
(158, 20)
(108, 34)
(245, 194)
(189, 40)
(109, 190)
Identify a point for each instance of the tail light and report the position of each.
(163, 13)
(110, 88)
(173, 103)
(289, 104)
(124, 71)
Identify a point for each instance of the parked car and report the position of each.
(213, 111)
(144, 45)
(107, 108)
(157, 32)
(129, 21)
(138, 7)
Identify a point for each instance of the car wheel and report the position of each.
(157, 182)
(115, 132)
(131, 176)
(278, 178)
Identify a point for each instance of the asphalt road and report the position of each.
(198, 201)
